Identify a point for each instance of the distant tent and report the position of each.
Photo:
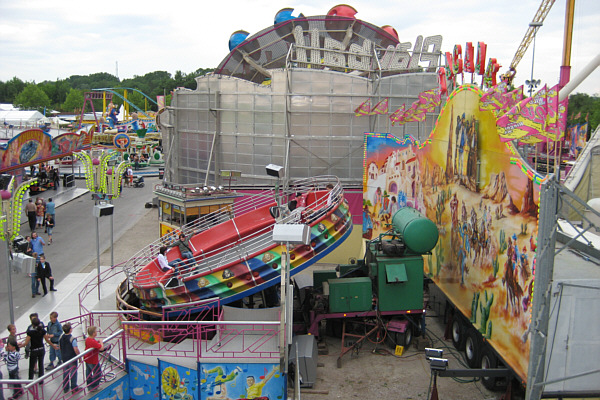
(7, 107)
(18, 118)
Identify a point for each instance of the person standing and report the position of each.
(2, 357)
(36, 334)
(40, 212)
(37, 244)
(55, 331)
(31, 209)
(69, 350)
(51, 209)
(56, 178)
(12, 357)
(129, 176)
(35, 283)
(44, 271)
(12, 331)
(93, 371)
(49, 227)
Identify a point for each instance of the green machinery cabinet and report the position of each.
(350, 294)
(400, 283)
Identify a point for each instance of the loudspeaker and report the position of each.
(101, 210)
(275, 170)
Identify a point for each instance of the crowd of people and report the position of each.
(63, 348)
(43, 216)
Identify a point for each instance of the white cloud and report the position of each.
(43, 40)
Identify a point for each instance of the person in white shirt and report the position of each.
(162, 260)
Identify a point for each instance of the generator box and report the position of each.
(400, 283)
(350, 294)
(320, 276)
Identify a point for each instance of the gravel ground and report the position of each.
(376, 373)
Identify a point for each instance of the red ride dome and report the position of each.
(342, 10)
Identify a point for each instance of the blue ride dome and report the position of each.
(237, 38)
(285, 14)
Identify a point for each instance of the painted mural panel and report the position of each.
(118, 390)
(36, 145)
(485, 205)
(143, 381)
(241, 381)
(177, 382)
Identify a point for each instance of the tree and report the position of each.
(32, 97)
(584, 106)
(74, 101)
(10, 90)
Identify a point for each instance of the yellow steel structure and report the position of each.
(539, 17)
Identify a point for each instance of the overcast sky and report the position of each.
(48, 40)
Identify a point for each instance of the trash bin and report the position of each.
(68, 180)
(161, 172)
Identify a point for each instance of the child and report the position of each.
(93, 373)
(49, 227)
(12, 358)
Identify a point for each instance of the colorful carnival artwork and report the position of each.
(34, 145)
(143, 380)
(117, 390)
(241, 381)
(485, 204)
(177, 382)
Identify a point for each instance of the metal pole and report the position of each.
(98, 253)
(112, 242)
(9, 280)
(282, 349)
(532, 63)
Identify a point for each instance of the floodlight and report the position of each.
(275, 170)
(291, 233)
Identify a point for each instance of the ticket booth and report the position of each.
(182, 204)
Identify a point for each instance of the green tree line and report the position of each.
(67, 95)
(584, 107)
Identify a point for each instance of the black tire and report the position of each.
(333, 328)
(405, 339)
(458, 331)
(489, 360)
(473, 348)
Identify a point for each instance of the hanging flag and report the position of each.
(512, 98)
(398, 115)
(526, 118)
(556, 117)
(493, 100)
(587, 117)
(363, 109)
(582, 136)
(380, 108)
(573, 131)
(578, 115)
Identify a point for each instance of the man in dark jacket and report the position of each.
(44, 271)
(69, 350)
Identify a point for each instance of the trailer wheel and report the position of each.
(489, 360)
(405, 339)
(333, 328)
(458, 332)
(473, 346)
